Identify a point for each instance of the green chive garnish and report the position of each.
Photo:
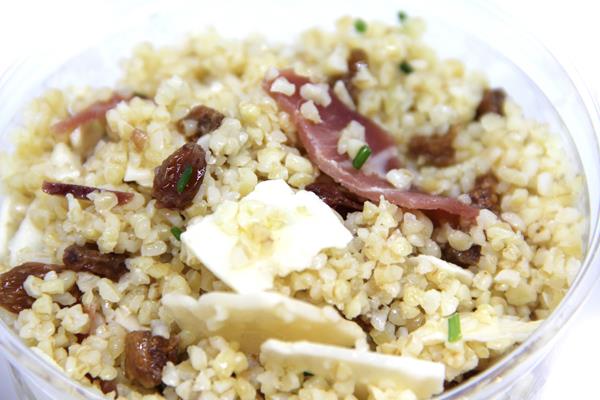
(361, 157)
(454, 333)
(402, 16)
(176, 232)
(360, 25)
(308, 374)
(406, 67)
(184, 179)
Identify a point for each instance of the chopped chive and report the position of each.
(454, 333)
(176, 232)
(402, 16)
(307, 373)
(360, 25)
(406, 67)
(361, 157)
(184, 179)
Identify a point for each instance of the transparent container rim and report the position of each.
(587, 277)
(537, 342)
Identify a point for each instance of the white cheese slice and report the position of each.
(427, 262)
(424, 378)
(27, 241)
(270, 232)
(495, 332)
(135, 173)
(250, 319)
(143, 176)
(64, 163)
(376, 393)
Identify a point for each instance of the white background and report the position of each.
(570, 28)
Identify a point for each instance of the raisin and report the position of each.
(436, 150)
(166, 178)
(105, 386)
(88, 258)
(364, 323)
(80, 337)
(13, 296)
(441, 217)
(357, 59)
(491, 102)
(336, 196)
(484, 194)
(464, 377)
(81, 192)
(464, 258)
(108, 386)
(146, 355)
(76, 293)
(206, 120)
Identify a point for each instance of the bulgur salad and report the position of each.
(344, 217)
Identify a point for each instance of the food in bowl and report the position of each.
(345, 217)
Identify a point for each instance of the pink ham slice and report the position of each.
(81, 192)
(320, 141)
(92, 112)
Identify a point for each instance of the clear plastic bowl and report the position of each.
(483, 38)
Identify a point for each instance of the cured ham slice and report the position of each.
(92, 112)
(81, 192)
(320, 141)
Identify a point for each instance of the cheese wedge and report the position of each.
(496, 332)
(27, 243)
(64, 164)
(431, 262)
(424, 378)
(250, 319)
(271, 232)
(142, 176)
